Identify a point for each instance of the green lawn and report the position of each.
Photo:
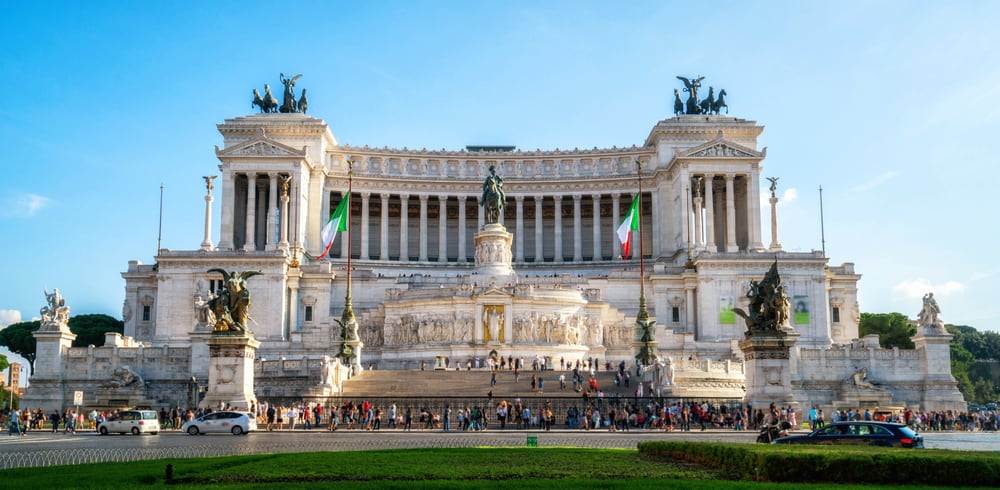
(509, 468)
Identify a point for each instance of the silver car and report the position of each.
(134, 421)
(235, 423)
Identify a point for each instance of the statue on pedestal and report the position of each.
(929, 314)
(231, 306)
(493, 197)
(769, 305)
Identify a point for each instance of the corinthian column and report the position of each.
(730, 215)
(272, 211)
(539, 228)
(519, 200)
(597, 227)
(384, 227)
(365, 199)
(557, 236)
(404, 227)
(577, 229)
(710, 213)
(423, 227)
(462, 228)
(251, 211)
(616, 202)
(443, 228)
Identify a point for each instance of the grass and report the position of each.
(530, 468)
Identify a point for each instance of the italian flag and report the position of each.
(338, 222)
(629, 224)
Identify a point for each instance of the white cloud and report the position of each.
(875, 182)
(980, 275)
(788, 196)
(917, 288)
(24, 205)
(8, 317)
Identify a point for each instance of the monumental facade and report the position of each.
(434, 283)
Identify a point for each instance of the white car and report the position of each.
(134, 421)
(223, 421)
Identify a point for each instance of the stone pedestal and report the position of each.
(493, 256)
(768, 369)
(230, 371)
(47, 390)
(940, 391)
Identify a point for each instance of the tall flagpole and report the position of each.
(647, 355)
(350, 343)
(822, 231)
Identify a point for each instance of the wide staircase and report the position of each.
(475, 383)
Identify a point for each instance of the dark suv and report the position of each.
(860, 433)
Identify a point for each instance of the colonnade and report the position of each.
(726, 211)
(449, 237)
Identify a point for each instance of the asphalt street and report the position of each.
(48, 449)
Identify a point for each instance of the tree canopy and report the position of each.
(893, 329)
(4, 363)
(17, 337)
(89, 330)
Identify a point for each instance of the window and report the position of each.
(309, 313)
(836, 314)
(675, 314)
(146, 310)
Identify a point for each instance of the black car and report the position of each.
(860, 433)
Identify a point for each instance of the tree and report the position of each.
(90, 329)
(893, 329)
(4, 363)
(17, 337)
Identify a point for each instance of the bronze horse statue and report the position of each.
(706, 105)
(267, 103)
(720, 103)
(678, 103)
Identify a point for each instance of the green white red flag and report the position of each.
(629, 225)
(338, 222)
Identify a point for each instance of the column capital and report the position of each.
(272, 174)
(577, 196)
(730, 176)
(519, 199)
(384, 196)
(539, 199)
(424, 197)
(596, 197)
(443, 198)
(463, 199)
(366, 195)
(557, 198)
(404, 197)
(709, 176)
(616, 195)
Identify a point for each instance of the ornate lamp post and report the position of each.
(350, 343)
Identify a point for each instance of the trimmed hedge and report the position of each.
(837, 464)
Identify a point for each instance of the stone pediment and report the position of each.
(495, 292)
(262, 146)
(721, 148)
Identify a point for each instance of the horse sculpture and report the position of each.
(720, 103)
(678, 103)
(267, 103)
(493, 198)
(706, 105)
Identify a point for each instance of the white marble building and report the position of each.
(417, 291)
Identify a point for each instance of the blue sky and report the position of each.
(890, 106)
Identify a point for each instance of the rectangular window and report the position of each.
(675, 314)
(836, 314)
(309, 313)
(145, 313)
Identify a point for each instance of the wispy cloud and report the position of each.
(917, 288)
(24, 205)
(980, 275)
(8, 317)
(789, 196)
(875, 182)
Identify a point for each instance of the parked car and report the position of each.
(235, 423)
(860, 433)
(134, 421)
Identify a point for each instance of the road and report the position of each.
(48, 449)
